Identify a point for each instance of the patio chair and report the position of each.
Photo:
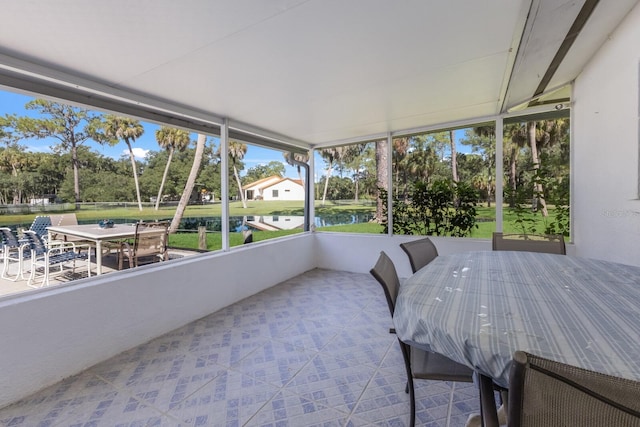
(149, 244)
(544, 392)
(46, 258)
(552, 243)
(419, 364)
(39, 226)
(13, 251)
(421, 252)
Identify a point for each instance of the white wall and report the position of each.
(605, 148)
(358, 252)
(296, 191)
(49, 335)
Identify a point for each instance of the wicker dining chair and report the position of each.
(420, 252)
(552, 243)
(545, 393)
(419, 364)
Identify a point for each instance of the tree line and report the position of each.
(536, 162)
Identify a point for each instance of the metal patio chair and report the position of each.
(544, 392)
(39, 226)
(13, 251)
(552, 243)
(421, 252)
(149, 244)
(419, 364)
(46, 259)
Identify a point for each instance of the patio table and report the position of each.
(94, 233)
(478, 308)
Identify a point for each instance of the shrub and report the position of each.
(446, 208)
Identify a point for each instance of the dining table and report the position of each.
(98, 235)
(478, 308)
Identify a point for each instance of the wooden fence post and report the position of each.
(202, 238)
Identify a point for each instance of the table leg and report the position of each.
(98, 257)
(487, 402)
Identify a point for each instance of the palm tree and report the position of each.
(188, 187)
(382, 172)
(170, 139)
(127, 130)
(237, 150)
(300, 157)
(338, 155)
(454, 156)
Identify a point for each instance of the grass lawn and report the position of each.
(89, 212)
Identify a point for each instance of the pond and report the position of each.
(253, 222)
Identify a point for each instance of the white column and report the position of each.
(224, 182)
(390, 184)
(499, 172)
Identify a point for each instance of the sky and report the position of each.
(13, 103)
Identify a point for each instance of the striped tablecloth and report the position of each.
(479, 307)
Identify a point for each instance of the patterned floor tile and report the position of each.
(275, 363)
(230, 399)
(309, 334)
(332, 381)
(288, 409)
(314, 350)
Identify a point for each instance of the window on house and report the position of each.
(274, 193)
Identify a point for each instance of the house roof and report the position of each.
(306, 73)
(269, 182)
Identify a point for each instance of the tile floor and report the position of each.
(312, 351)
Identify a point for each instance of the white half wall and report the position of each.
(52, 334)
(358, 252)
(605, 120)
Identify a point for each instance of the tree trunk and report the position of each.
(326, 184)
(135, 173)
(242, 198)
(537, 188)
(76, 176)
(454, 156)
(164, 177)
(188, 187)
(512, 176)
(382, 172)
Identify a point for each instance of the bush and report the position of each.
(446, 208)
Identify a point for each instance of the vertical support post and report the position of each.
(390, 184)
(224, 182)
(499, 172)
(311, 192)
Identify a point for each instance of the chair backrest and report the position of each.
(151, 243)
(421, 252)
(552, 244)
(544, 393)
(385, 273)
(40, 224)
(35, 242)
(9, 239)
(66, 219)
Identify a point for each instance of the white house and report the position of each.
(274, 188)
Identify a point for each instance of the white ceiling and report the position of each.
(315, 71)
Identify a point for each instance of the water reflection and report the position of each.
(261, 222)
